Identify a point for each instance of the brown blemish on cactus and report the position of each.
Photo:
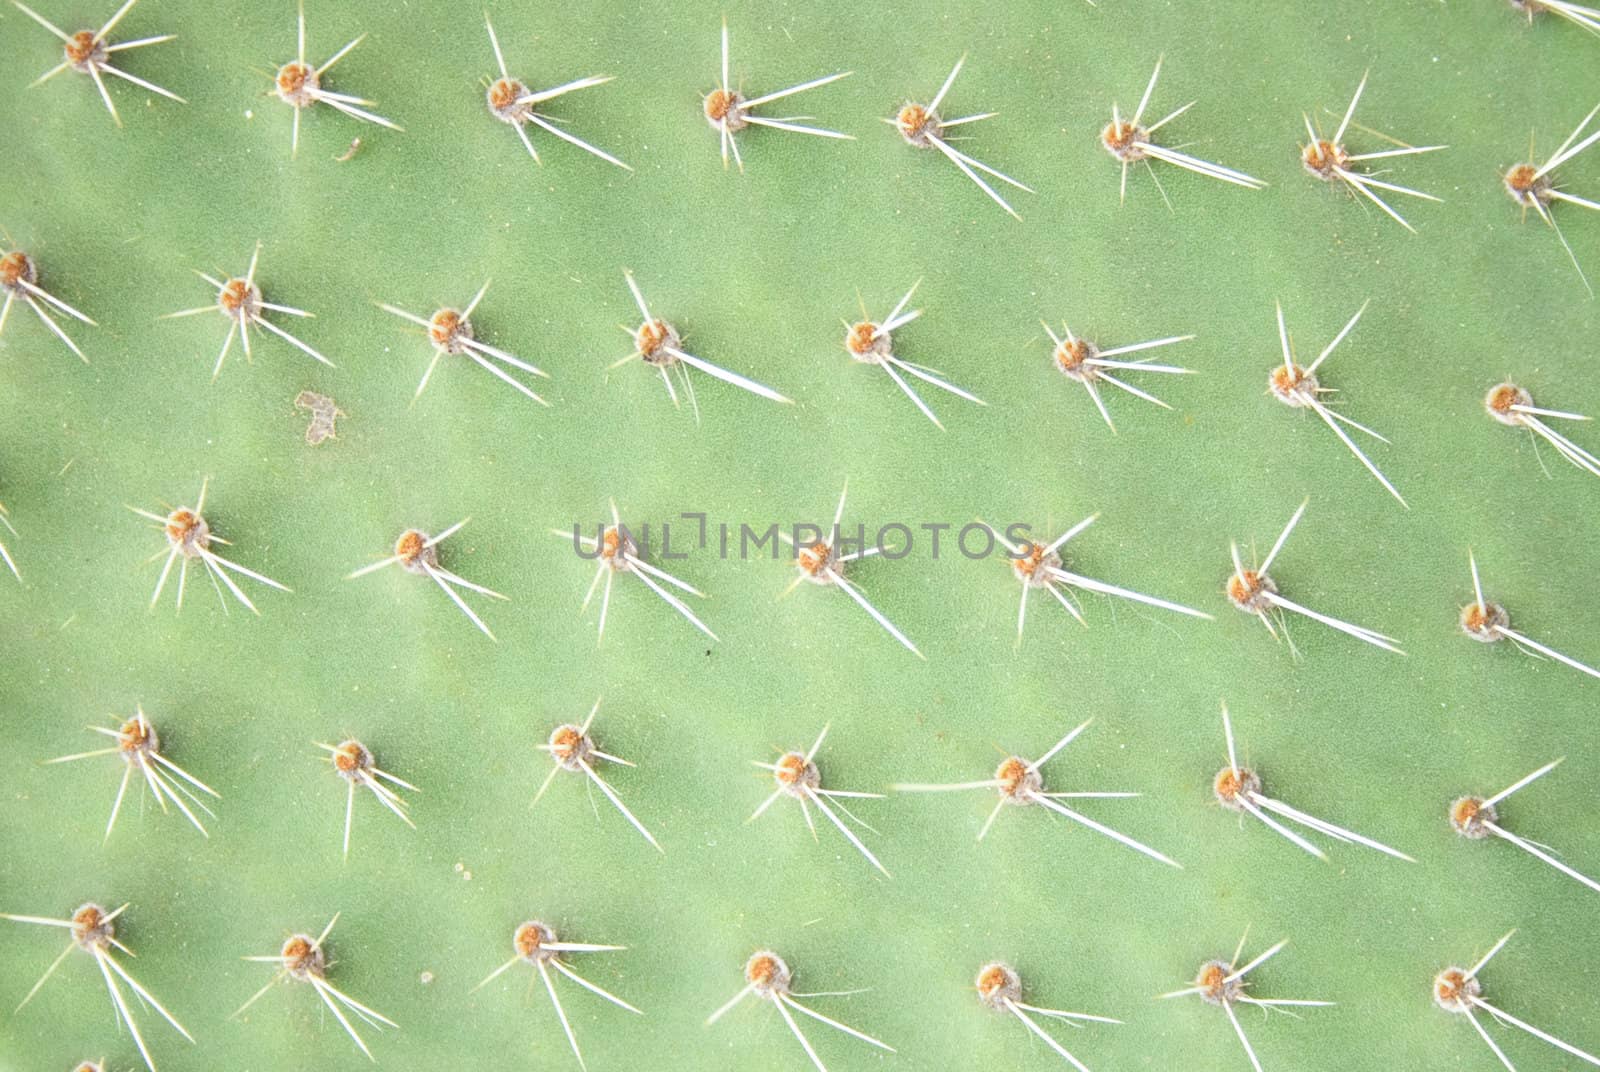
(616, 545)
(796, 774)
(239, 299)
(187, 531)
(817, 561)
(1071, 357)
(137, 738)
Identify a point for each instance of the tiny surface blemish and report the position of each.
(323, 415)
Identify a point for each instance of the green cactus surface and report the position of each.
(760, 270)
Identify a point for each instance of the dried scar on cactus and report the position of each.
(323, 413)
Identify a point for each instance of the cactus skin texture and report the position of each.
(756, 271)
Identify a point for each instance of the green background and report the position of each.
(757, 270)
